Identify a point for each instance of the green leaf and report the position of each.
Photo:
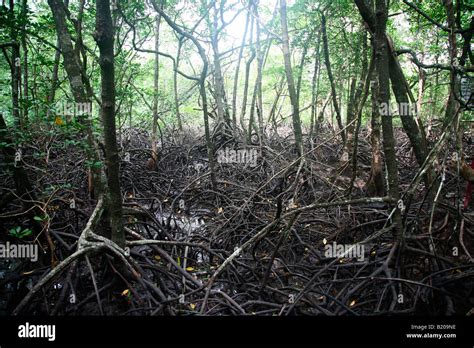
(18, 233)
(13, 232)
(27, 232)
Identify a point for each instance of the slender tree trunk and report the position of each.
(247, 76)
(104, 35)
(301, 65)
(361, 97)
(258, 82)
(382, 68)
(54, 80)
(355, 100)
(223, 117)
(251, 125)
(452, 103)
(237, 68)
(15, 70)
(24, 14)
(55, 73)
(375, 182)
(154, 150)
(350, 116)
(257, 99)
(78, 88)
(421, 89)
(175, 86)
(279, 91)
(315, 88)
(290, 80)
(331, 78)
(71, 60)
(323, 109)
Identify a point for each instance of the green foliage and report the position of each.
(19, 232)
(134, 70)
(92, 164)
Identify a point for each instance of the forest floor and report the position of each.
(254, 245)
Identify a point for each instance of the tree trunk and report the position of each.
(421, 89)
(175, 85)
(258, 82)
(247, 76)
(360, 99)
(54, 81)
(315, 88)
(15, 70)
(452, 103)
(24, 13)
(331, 78)
(357, 94)
(382, 68)
(251, 125)
(55, 73)
(78, 88)
(279, 91)
(154, 150)
(301, 65)
(401, 91)
(375, 183)
(237, 68)
(223, 117)
(104, 35)
(290, 80)
(402, 95)
(350, 116)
